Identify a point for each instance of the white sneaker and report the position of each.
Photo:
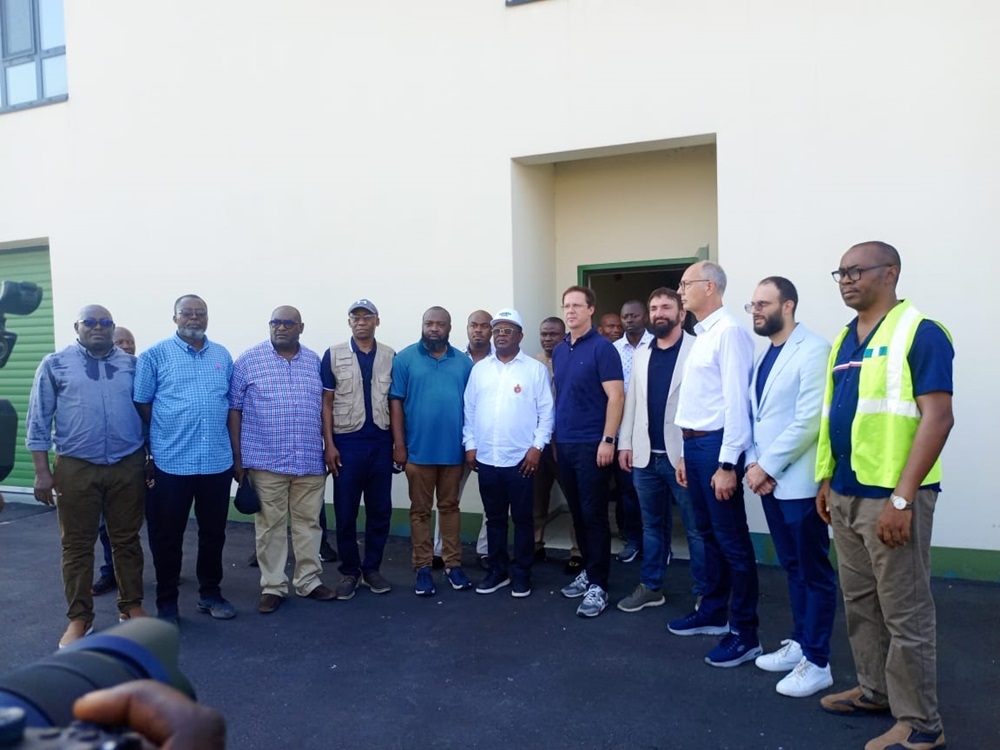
(805, 680)
(785, 658)
(577, 588)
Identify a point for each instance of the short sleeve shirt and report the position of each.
(580, 370)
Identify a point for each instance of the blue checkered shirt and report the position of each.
(188, 389)
(282, 403)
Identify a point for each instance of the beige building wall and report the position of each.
(317, 152)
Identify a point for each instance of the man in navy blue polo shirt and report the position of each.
(426, 413)
(590, 395)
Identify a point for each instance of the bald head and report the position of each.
(94, 327)
(880, 252)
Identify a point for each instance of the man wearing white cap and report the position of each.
(508, 422)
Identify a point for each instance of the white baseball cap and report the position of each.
(508, 315)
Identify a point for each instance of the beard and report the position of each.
(663, 329)
(769, 326)
(193, 332)
(434, 345)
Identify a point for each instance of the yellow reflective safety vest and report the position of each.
(887, 417)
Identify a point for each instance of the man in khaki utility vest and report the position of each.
(886, 416)
(358, 436)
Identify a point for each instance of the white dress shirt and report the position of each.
(714, 391)
(508, 409)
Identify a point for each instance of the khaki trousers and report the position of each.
(423, 481)
(283, 496)
(86, 491)
(891, 621)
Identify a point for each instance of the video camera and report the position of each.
(16, 298)
(36, 703)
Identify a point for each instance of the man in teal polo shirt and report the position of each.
(425, 399)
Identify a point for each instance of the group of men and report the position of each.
(848, 437)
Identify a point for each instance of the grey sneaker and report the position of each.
(577, 588)
(594, 602)
(346, 588)
(374, 581)
(641, 597)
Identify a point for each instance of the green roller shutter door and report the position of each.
(35, 339)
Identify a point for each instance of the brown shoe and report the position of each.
(76, 630)
(131, 614)
(322, 593)
(904, 736)
(852, 702)
(269, 603)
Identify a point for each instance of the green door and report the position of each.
(35, 339)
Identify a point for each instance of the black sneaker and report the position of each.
(326, 552)
(493, 582)
(103, 585)
(521, 587)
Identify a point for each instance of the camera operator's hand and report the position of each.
(45, 487)
(165, 716)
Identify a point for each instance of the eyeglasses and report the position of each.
(279, 322)
(854, 272)
(685, 284)
(503, 331)
(756, 306)
(95, 322)
(359, 318)
(192, 313)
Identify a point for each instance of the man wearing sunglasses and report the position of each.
(508, 422)
(81, 402)
(275, 404)
(888, 414)
(181, 390)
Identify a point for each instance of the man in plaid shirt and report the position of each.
(275, 413)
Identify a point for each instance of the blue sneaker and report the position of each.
(697, 623)
(734, 649)
(493, 582)
(457, 578)
(629, 552)
(521, 587)
(425, 582)
(218, 607)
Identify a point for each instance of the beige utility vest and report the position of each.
(349, 394)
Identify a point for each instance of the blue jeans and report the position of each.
(629, 513)
(502, 488)
(730, 562)
(108, 568)
(168, 505)
(366, 469)
(802, 543)
(585, 485)
(657, 486)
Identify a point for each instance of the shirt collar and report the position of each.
(519, 357)
(449, 352)
(708, 323)
(568, 338)
(643, 341)
(374, 347)
(185, 345)
(83, 350)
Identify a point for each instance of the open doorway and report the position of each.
(616, 283)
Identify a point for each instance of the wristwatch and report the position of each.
(901, 503)
(725, 466)
(608, 439)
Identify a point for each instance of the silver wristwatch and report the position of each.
(901, 503)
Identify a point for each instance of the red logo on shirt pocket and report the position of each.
(517, 388)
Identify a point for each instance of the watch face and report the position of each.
(899, 503)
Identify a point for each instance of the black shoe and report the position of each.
(326, 552)
(103, 585)
(573, 566)
(438, 563)
(540, 555)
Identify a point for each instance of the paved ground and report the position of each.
(461, 670)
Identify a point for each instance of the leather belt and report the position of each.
(688, 434)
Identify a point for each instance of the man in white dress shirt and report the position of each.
(508, 422)
(713, 413)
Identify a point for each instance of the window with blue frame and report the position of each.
(32, 53)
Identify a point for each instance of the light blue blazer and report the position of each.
(786, 422)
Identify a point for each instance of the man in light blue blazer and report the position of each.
(786, 395)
